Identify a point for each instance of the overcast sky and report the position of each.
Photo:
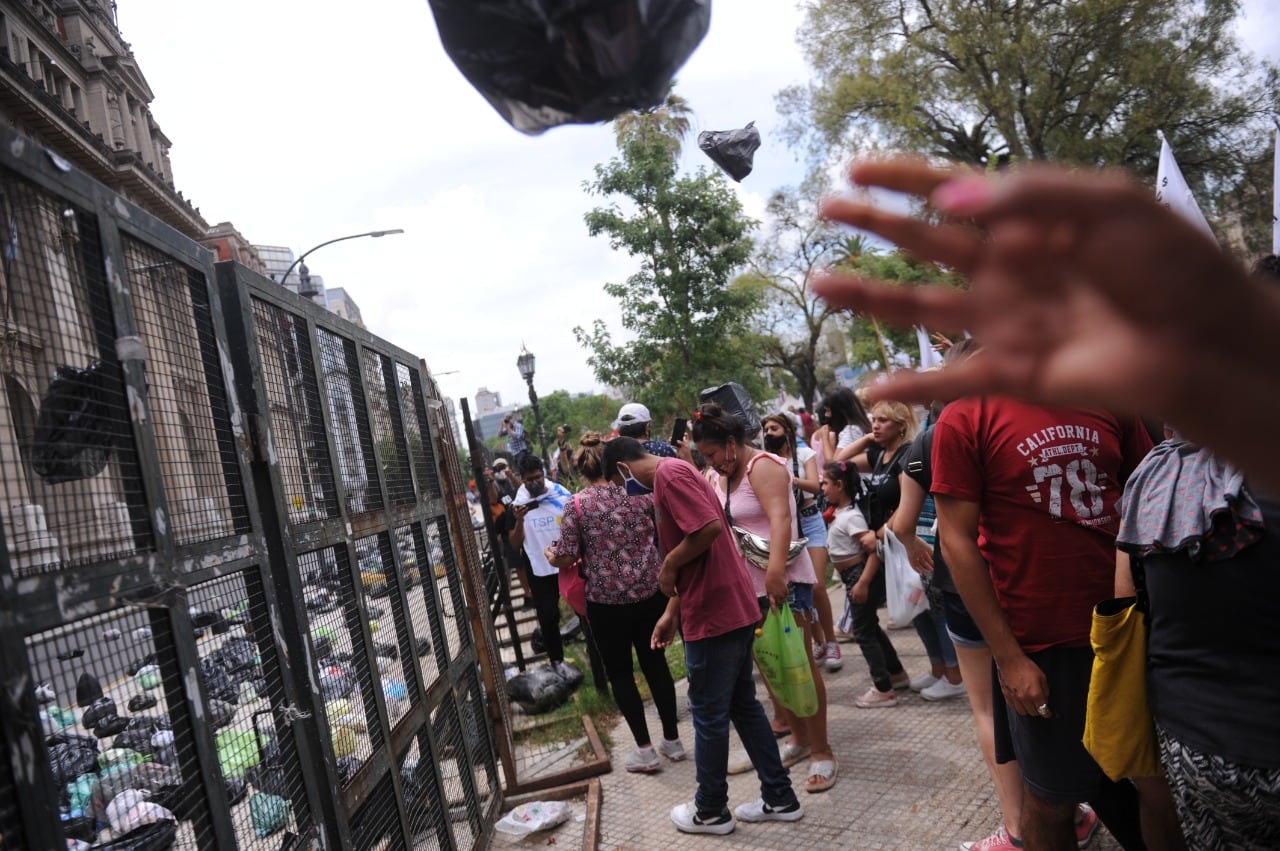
(303, 121)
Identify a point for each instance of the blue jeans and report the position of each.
(721, 691)
(931, 626)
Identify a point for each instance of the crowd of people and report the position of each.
(1034, 492)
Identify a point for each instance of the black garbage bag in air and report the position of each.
(732, 150)
(81, 416)
(541, 63)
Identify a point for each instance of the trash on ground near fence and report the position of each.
(532, 817)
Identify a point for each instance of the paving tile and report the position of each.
(911, 777)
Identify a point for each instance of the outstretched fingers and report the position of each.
(899, 305)
(950, 245)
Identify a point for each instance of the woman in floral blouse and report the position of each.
(613, 535)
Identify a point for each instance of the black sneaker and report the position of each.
(688, 820)
(758, 810)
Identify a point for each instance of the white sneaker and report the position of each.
(923, 682)
(834, 660)
(942, 689)
(687, 819)
(672, 750)
(819, 653)
(643, 761)
(758, 810)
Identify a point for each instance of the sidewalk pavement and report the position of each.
(911, 777)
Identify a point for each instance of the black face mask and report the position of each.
(774, 443)
(535, 489)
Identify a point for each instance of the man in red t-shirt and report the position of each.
(1027, 517)
(715, 606)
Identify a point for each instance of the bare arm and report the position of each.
(811, 480)
(1024, 685)
(856, 453)
(1124, 576)
(903, 524)
(771, 485)
(692, 546)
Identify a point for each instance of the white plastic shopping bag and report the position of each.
(905, 592)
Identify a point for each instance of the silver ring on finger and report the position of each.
(1043, 710)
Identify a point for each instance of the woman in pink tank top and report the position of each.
(756, 487)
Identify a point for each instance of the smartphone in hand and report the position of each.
(678, 431)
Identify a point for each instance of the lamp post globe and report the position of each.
(525, 363)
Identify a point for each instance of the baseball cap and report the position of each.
(501, 464)
(631, 413)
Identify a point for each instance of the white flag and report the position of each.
(928, 356)
(1275, 197)
(1173, 192)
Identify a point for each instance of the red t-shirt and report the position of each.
(715, 590)
(1048, 482)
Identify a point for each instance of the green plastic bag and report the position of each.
(779, 650)
(237, 752)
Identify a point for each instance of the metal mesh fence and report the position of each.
(246, 707)
(185, 396)
(384, 395)
(255, 631)
(114, 714)
(421, 452)
(343, 657)
(294, 398)
(376, 825)
(352, 436)
(424, 617)
(68, 469)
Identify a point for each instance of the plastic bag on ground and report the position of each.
(131, 809)
(732, 150)
(532, 817)
(903, 588)
(539, 689)
(553, 62)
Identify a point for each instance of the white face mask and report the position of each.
(500, 475)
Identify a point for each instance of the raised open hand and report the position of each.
(1084, 291)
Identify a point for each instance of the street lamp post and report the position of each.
(304, 272)
(525, 363)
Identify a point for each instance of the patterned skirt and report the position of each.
(1221, 804)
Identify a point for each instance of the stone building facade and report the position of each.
(69, 80)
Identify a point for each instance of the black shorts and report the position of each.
(964, 632)
(1052, 759)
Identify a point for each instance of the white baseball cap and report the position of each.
(632, 413)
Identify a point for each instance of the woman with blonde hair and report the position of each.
(878, 456)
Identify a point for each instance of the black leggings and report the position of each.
(546, 598)
(618, 629)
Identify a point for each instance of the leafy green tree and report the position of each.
(791, 324)
(582, 412)
(690, 236)
(872, 343)
(1070, 81)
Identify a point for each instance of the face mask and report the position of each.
(632, 484)
(535, 489)
(501, 475)
(774, 443)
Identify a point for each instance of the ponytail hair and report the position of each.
(846, 473)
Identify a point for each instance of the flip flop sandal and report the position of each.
(827, 769)
(792, 753)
